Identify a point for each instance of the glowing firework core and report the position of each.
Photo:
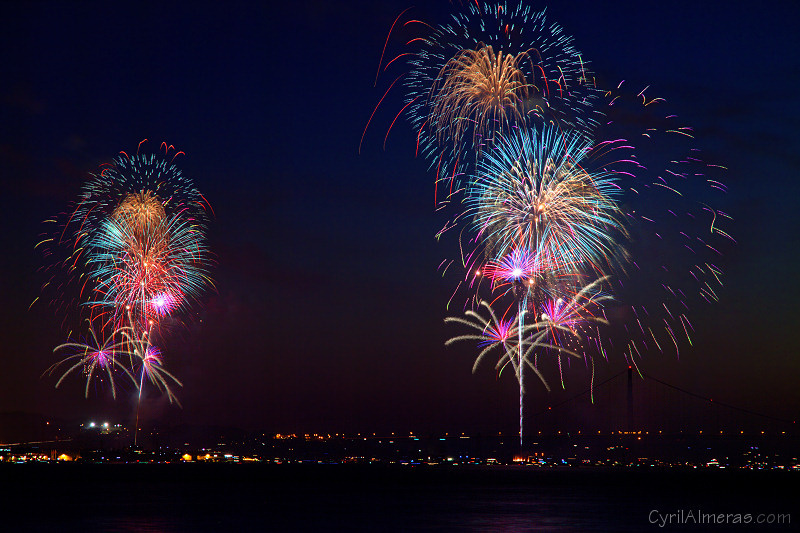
(481, 87)
(140, 210)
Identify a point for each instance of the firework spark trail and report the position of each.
(549, 333)
(667, 196)
(96, 354)
(150, 361)
(521, 365)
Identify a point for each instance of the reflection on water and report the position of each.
(500, 513)
(519, 510)
(130, 524)
(202, 498)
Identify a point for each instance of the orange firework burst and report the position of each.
(479, 87)
(140, 210)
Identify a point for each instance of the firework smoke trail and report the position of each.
(521, 367)
(138, 253)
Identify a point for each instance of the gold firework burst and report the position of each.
(478, 88)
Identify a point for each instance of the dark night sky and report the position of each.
(328, 310)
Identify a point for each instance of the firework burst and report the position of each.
(555, 183)
(153, 269)
(532, 191)
(518, 265)
(493, 334)
(559, 326)
(569, 325)
(138, 253)
(492, 68)
(479, 90)
(98, 355)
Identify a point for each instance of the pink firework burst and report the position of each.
(519, 265)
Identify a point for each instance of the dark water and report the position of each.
(242, 498)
